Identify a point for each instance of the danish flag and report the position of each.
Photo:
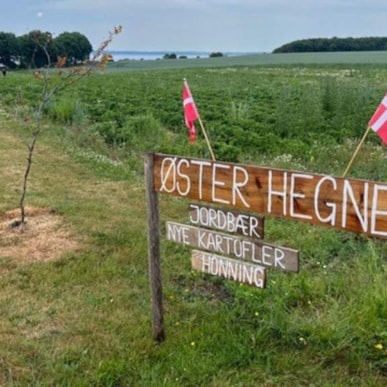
(378, 121)
(190, 112)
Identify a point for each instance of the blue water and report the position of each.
(153, 55)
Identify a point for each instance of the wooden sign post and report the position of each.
(154, 252)
(335, 202)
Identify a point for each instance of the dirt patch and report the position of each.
(44, 238)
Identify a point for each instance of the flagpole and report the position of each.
(356, 151)
(207, 140)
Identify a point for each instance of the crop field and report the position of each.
(82, 317)
(329, 58)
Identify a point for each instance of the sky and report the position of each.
(197, 25)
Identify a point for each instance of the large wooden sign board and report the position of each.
(340, 203)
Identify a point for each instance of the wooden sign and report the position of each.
(228, 221)
(336, 202)
(255, 251)
(228, 268)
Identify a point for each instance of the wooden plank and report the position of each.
(230, 269)
(335, 202)
(229, 221)
(253, 250)
(154, 252)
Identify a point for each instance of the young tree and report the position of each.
(53, 83)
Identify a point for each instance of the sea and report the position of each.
(154, 55)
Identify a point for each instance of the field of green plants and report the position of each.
(84, 318)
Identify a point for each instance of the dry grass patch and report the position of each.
(45, 238)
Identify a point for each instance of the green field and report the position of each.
(82, 317)
(262, 59)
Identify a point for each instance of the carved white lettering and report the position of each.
(346, 204)
(247, 225)
(229, 268)
(293, 196)
(376, 211)
(271, 192)
(331, 218)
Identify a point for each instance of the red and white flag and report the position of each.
(190, 112)
(378, 121)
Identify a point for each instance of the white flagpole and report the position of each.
(206, 137)
(356, 151)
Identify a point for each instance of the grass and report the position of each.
(54, 303)
(84, 319)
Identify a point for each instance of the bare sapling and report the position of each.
(54, 78)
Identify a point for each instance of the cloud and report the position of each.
(94, 5)
(210, 25)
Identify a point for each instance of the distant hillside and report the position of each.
(334, 44)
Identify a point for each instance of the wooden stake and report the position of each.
(356, 151)
(154, 252)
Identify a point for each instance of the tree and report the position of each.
(170, 56)
(8, 48)
(74, 46)
(334, 44)
(216, 55)
(36, 49)
(52, 84)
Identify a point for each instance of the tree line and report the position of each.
(174, 56)
(334, 44)
(37, 49)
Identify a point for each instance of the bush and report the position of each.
(144, 133)
(67, 110)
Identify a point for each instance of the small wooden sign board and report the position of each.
(236, 222)
(254, 251)
(230, 269)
